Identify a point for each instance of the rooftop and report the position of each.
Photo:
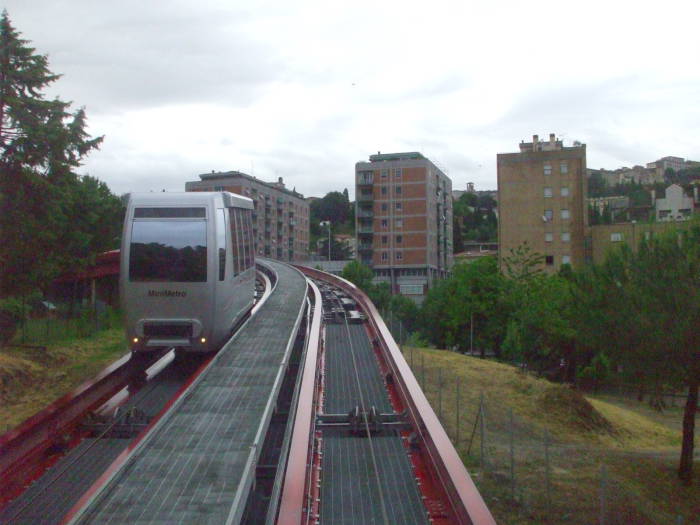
(279, 185)
(384, 157)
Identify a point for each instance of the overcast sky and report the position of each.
(303, 90)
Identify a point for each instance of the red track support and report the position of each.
(23, 451)
(295, 506)
(447, 468)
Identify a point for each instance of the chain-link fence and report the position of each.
(525, 474)
(60, 323)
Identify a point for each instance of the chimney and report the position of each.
(534, 139)
(552, 138)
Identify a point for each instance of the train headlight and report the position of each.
(136, 339)
(203, 340)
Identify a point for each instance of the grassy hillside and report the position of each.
(573, 457)
(32, 378)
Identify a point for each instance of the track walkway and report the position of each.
(197, 464)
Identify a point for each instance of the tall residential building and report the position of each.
(541, 198)
(280, 217)
(403, 220)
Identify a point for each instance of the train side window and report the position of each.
(234, 240)
(221, 241)
(251, 241)
(241, 239)
(244, 236)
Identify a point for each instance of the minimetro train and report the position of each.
(187, 269)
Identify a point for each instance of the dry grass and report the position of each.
(32, 378)
(599, 449)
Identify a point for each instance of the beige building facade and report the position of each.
(542, 195)
(403, 220)
(280, 217)
(605, 237)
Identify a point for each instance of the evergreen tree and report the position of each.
(40, 144)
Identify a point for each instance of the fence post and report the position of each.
(422, 369)
(603, 491)
(440, 393)
(512, 457)
(24, 321)
(457, 411)
(546, 470)
(482, 433)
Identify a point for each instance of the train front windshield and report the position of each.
(170, 250)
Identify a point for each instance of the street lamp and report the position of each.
(328, 223)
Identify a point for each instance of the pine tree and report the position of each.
(41, 142)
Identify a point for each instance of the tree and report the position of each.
(473, 294)
(40, 144)
(340, 251)
(358, 274)
(334, 207)
(458, 243)
(642, 308)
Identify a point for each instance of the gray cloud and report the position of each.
(132, 55)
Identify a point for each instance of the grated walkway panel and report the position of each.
(192, 465)
(350, 488)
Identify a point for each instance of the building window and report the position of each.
(398, 206)
(549, 260)
(564, 213)
(548, 192)
(547, 169)
(399, 223)
(565, 236)
(566, 259)
(548, 215)
(615, 237)
(384, 206)
(383, 190)
(385, 256)
(385, 174)
(399, 239)
(398, 190)
(399, 256)
(397, 173)
(385, 223)
(385, 239)
(563, 168)
(548, 237)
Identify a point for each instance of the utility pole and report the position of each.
(327, 223)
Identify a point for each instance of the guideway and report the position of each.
(198, 463)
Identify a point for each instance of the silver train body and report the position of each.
(187, 269)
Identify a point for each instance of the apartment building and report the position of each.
(541, 198)
(280, 217)
(403, 220)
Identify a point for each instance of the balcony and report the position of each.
(365, 228)
(365, 178)
(365, 197)
(365, 213)
(364, 247)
